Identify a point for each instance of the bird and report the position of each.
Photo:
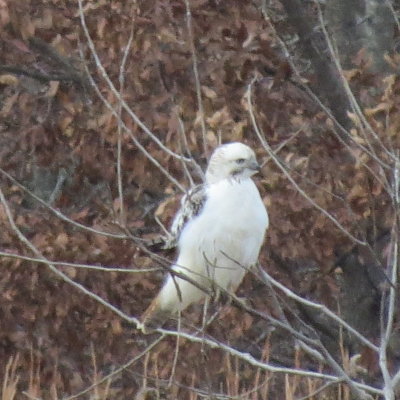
(219, 231)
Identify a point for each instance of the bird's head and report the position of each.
(232, 160)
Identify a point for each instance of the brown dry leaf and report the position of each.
(356, 192)
(61, 309)
(116, 327)
(288, 157)
(80, 215)
(351, 73)
(66, 102)
(301, 162)
(40, 240)
(166, 36)
(62, 240)
(20, 45)
(389, 82)
(46, 21)
(247, 321)
(146, 45)
(117, 204)
(100, 244)
(356, 136)
(209, 93)
(53, 88)
(220, 117)
(64, 123)
(377, 188)
(8, 79)
(252, 28)
(354, 118)
(369, 112)
(27, 27)
(393, 60)
(8, 104)
(212, 138)
(100, 27)
(71, 272)
(4, 14)
(366, 213)
(69, 131)
(91, 6)
(237, 131)
(160, 212)
(105, 119)
(3, 215)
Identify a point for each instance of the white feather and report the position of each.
(217, 246)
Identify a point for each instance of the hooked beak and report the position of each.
(255, 166)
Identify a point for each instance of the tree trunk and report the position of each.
(361, 24)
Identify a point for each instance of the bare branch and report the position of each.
(214, 344)
(350, 95)
(267, 147)
(343, 132)
(390, 384)
(183, 143)
(118, 370)
(119, 120)
(115, 92)
(396, 18)
(209, 342)
(54, 269)
(58, 213)
(196, 76)
(319, 307)
(132, 136)
(75, 265)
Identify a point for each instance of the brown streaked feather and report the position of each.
(191, 206)
(154, 317)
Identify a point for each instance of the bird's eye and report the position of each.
(240, 160)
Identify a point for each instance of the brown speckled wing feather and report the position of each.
(191, 206)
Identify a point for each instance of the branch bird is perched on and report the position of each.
(220, 229)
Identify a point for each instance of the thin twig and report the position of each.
(358, 392)
(214, 344)
(54, 269)
(115, 92)
(313, 96)
(319, 307)
(283, 144)
(211, 343)
(349, 92)
(267, 147)
(119, 119)
(196, 76)
(39, 76)
(117, 371)
(176, 352)
(319, 390)
(58, 213)
(183, 143)
(75, 265)
(137, 143)
(389, 382)
(396, 18)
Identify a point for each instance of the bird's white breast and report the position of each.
(227, 234)
(237, 205)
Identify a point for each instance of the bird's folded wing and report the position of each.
(191, 206)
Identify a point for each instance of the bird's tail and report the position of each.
(155, 316)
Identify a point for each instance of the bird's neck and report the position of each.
(235, 178)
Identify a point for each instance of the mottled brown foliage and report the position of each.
(54, 129)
